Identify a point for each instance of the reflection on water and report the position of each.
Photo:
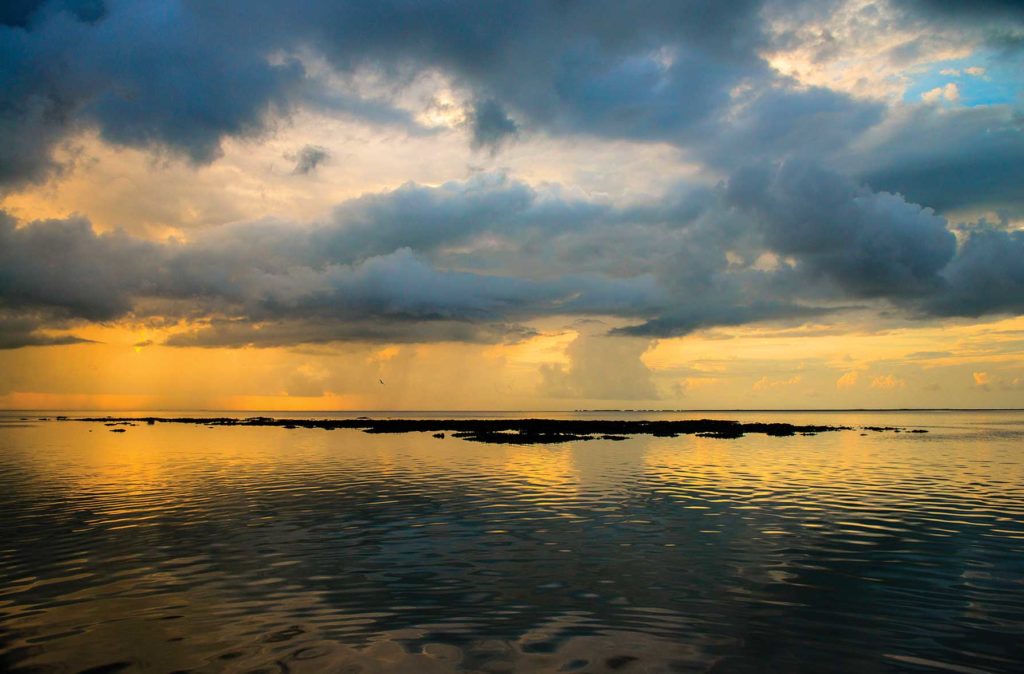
(173, 548)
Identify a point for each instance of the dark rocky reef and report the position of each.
(507, 431)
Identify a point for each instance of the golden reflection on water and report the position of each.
(177, 547)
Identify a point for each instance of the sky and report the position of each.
(678, 204)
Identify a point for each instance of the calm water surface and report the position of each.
(185, 548)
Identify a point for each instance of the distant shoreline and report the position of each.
(707, 410)
(506, 431)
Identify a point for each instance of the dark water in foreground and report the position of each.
(174, 548)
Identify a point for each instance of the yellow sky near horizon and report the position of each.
(926, 365)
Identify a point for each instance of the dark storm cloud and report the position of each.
(426, 218)
(986, 277)
(65, 267)
(21, 13)
(975, 9)
(19, 331)
(491, 125)
(782, 119)
(16, 13)
(164, 78)
(948, 158)
(998, 24)
(871, 244)
(184, 75)
(143, 74)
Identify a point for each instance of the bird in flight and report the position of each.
(381, 381)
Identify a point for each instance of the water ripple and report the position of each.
(181, 548)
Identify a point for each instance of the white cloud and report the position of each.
(950, 92)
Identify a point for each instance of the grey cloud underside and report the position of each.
(17, 331)
(234, 333)
(314, 284)
(477, 260)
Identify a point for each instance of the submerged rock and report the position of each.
(511, 431)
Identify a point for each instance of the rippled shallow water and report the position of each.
(186, 548)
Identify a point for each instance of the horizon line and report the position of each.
(543, 411)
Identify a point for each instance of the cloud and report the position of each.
(307, 381)
(947, 158)
(987, 382)
(478, 259)
(767, 384)
(986, 277)
(847, 380)
(976, 9)
(491, 125)
(199, 79)
(870, 244)
(691, 74)
(308, 158)
(185, 90)
(996, 24)
(243, 332)
(205, 73)
(695, 384)
(697, 314)
(600, 368)
(272, 283)
(773, 118)
(887, 383)
(65, 267)
(688, 73)
(19, 331)
(809, 200)
(949, 92)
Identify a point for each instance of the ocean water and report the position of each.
(172, 548)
